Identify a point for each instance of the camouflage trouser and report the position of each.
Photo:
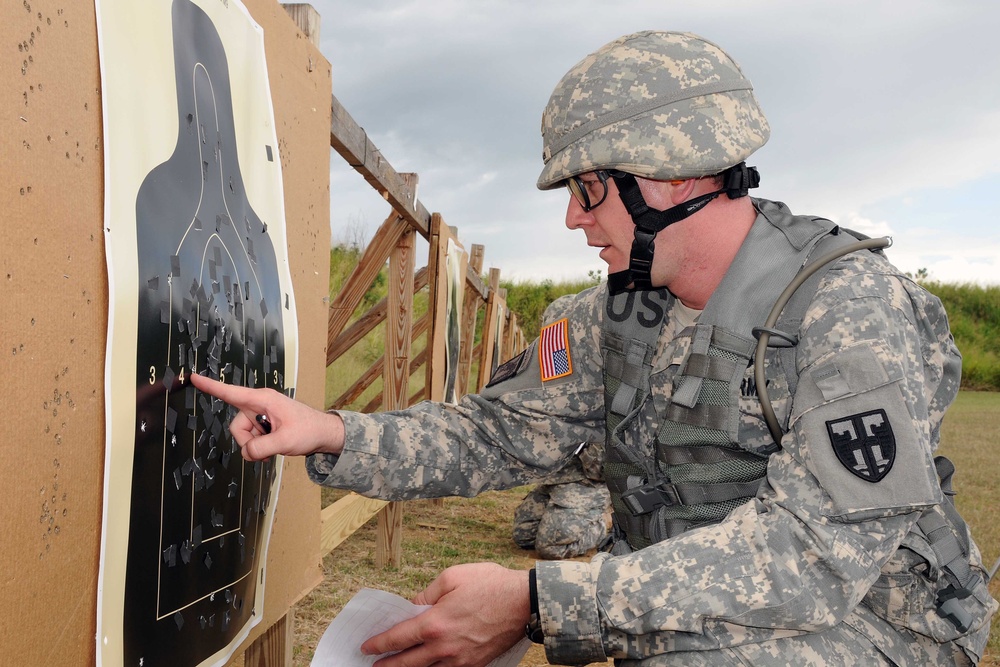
(848, 644)
(563, 520)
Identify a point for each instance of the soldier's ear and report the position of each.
(681, 190)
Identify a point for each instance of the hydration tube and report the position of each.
(765, 332)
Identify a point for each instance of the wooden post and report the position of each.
(440, 300)
(274, 647)
(491, 325)
(434, 383)
(442, 236)
(470, 310)
(396, 374)
(306, 18)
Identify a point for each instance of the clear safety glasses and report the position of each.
(585, 191)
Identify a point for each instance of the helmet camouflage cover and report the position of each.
(660, 105)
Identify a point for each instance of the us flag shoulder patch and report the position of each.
(553, 351)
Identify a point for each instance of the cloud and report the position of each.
(866, 114)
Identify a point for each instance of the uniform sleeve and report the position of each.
(877, 367)
(520, 428)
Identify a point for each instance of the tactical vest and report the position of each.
(705, 460)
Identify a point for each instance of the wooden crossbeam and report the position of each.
(352, 143)
(375, 371)
(363, 326)
(371, 262)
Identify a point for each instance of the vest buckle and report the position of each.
(950, 607)
(648, 497)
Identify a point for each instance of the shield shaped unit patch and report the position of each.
(864, 443)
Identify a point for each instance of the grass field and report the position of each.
(460, 531)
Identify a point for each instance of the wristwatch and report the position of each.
(533, 630)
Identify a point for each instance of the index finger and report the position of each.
(399, 637)
(243, 398)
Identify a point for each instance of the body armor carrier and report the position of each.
(706, 461)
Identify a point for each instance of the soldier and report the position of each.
(567, 514)
(788, 511)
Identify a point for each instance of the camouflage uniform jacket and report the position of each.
(802, 557)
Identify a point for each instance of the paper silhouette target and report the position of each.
(213, 297)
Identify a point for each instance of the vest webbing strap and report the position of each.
(646, 498)
(795, 310)
(948, 537)
(709, 368)
(710, 416)
(678, 455)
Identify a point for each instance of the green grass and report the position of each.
(969, 437)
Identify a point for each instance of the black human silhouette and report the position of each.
(209, 301)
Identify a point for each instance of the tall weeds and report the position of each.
(973, 311)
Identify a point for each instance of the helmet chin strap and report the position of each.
(648, 221)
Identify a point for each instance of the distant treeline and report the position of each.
(974, 313)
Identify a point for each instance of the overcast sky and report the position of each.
(885, 116)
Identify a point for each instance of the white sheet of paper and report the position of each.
(366, 615)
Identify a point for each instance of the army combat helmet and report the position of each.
(659, 105)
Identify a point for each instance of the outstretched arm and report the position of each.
(296, 429)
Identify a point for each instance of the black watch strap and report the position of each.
(533, 630)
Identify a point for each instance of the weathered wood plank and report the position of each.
(399, 323)
(340, 519)
(368, 321)
(395, 380)
(375, 371)
(470, 309)
(389, 539)
(442, 236)
(306, 18)
(274, 647)
(372, 261)
(352, 143)
(491, 324)
(416, 363)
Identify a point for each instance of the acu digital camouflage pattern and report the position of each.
(804, 573)
(570, 513)
(662, 105)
